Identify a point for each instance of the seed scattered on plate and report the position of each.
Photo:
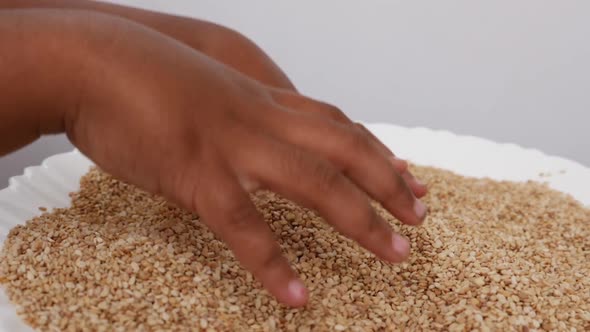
(492, 256)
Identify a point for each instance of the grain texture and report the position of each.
(491, 256)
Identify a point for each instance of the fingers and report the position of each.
(400, 165)
(227, 209)
(296, 101)
(357, 157)
(315, 183)
(300, 103)
(418, 188)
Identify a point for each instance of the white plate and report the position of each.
(48, 185)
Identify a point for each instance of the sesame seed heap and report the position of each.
(491, 256)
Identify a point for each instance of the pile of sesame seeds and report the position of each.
(491, 256)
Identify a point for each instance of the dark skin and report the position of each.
(224, 45)
(199, 114)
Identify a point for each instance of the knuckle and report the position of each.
(360, 141)
(183, 187)
(336, 113)
(239, 215)
(292, 163)
(327, 178)
(299, 164)
(271, 260)
(361, 128)
(392, 192)
(366, 225)
(372, 225)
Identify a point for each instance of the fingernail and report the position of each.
(420, 183)
(420, 209)
(401, 245)
(297, 290)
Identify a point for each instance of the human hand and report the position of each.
(220, 43)
(164, 117)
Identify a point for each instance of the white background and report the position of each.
(511, 71)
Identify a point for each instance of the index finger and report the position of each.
(229, 212)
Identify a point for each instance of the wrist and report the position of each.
(42, 71)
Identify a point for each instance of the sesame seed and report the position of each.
(492, 256)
